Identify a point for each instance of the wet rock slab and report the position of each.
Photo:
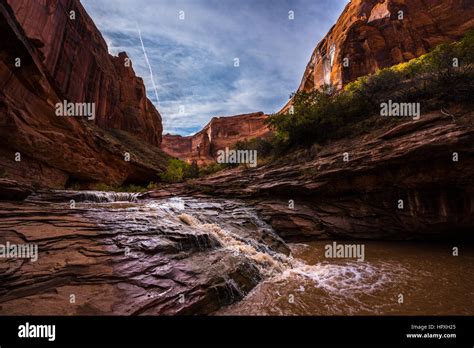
(128, 258)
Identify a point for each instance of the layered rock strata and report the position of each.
(76, 56)
(117, 262)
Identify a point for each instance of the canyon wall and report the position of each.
(219, 133)
(375, 34)
(76, 56)
(69, 61)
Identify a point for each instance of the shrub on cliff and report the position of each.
(318, 115)
(212, 168)
(441, 77)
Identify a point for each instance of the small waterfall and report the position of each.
(185, 231)
(107, 197)
(270, 263)
(85, 196)
(218, 230)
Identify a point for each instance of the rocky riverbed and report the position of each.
(105, 253)
(109, 253)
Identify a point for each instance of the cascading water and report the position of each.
(84, 196)
(268, 262)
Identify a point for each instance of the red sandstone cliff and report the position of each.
(219, 133)
(76, 56)
(69, 60)
(375, 34)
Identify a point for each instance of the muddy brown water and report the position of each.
(394, 279)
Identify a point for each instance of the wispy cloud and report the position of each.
(189, 64)
(149, 66)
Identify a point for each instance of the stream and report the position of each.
(123, 254)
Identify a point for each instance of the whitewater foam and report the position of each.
(341, 279)
(268, 264)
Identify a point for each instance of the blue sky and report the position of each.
(192, 59)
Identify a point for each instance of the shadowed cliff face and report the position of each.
(38, 147)
(219, 133)
(375, 34)
(76, 56)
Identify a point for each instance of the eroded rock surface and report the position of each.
(13, 191)
(169, 256)
(76, 56)
(42, 149)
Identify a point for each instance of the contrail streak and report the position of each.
(149, 66)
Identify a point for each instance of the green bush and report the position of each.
(101, 187)
(179, 171)
(133, 188)
(267, 148)
(174, 171)
(191, 171)
(74, 186)
(122, 188)
(317, 115)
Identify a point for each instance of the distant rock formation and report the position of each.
(375, 34)
(62, 59)
(219, 133)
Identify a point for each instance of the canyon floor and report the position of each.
(128, 254)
